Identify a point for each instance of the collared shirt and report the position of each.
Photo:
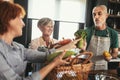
(40, 42)
(13, 60)
(37, 44)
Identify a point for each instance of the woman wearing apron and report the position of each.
(101, 38)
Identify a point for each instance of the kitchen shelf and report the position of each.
(114, 16)
(115, 1)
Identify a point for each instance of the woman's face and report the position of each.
(16, 26)
(47, 29)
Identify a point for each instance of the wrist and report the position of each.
(53, 63)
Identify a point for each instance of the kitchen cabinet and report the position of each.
(113, 20)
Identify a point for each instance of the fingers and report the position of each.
(60, 58)
(76, 40)
(62, 54)
(65, 62)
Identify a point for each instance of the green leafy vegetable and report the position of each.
(80, 34)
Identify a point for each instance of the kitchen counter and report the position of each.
(112, 73)
(115, 60)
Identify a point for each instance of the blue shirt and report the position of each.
(13, 60)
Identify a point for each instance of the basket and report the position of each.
(78, 69)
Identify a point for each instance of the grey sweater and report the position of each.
(13, 60)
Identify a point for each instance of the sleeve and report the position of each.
(7, 73)
(37, 56)
(114, 40)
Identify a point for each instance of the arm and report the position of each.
(8, 73)
(68, 46)
(57, 61)
(114, 52)
(34, 55)
(114, 44)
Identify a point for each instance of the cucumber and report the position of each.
(54, 55)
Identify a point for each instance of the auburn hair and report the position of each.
(9, 11)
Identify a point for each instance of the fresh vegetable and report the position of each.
(106, 54)
(60, 43)
(80, 34)
(80, 43)
(65, 41)
(54, 55)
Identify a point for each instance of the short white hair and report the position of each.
(101, 6)
(44, 21)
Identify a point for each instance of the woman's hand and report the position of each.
(68, 46)
(56, 62)
(59, 59)
(60, 43)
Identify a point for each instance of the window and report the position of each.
(65, 11)
(67, 30)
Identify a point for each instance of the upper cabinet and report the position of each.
(113, 20)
